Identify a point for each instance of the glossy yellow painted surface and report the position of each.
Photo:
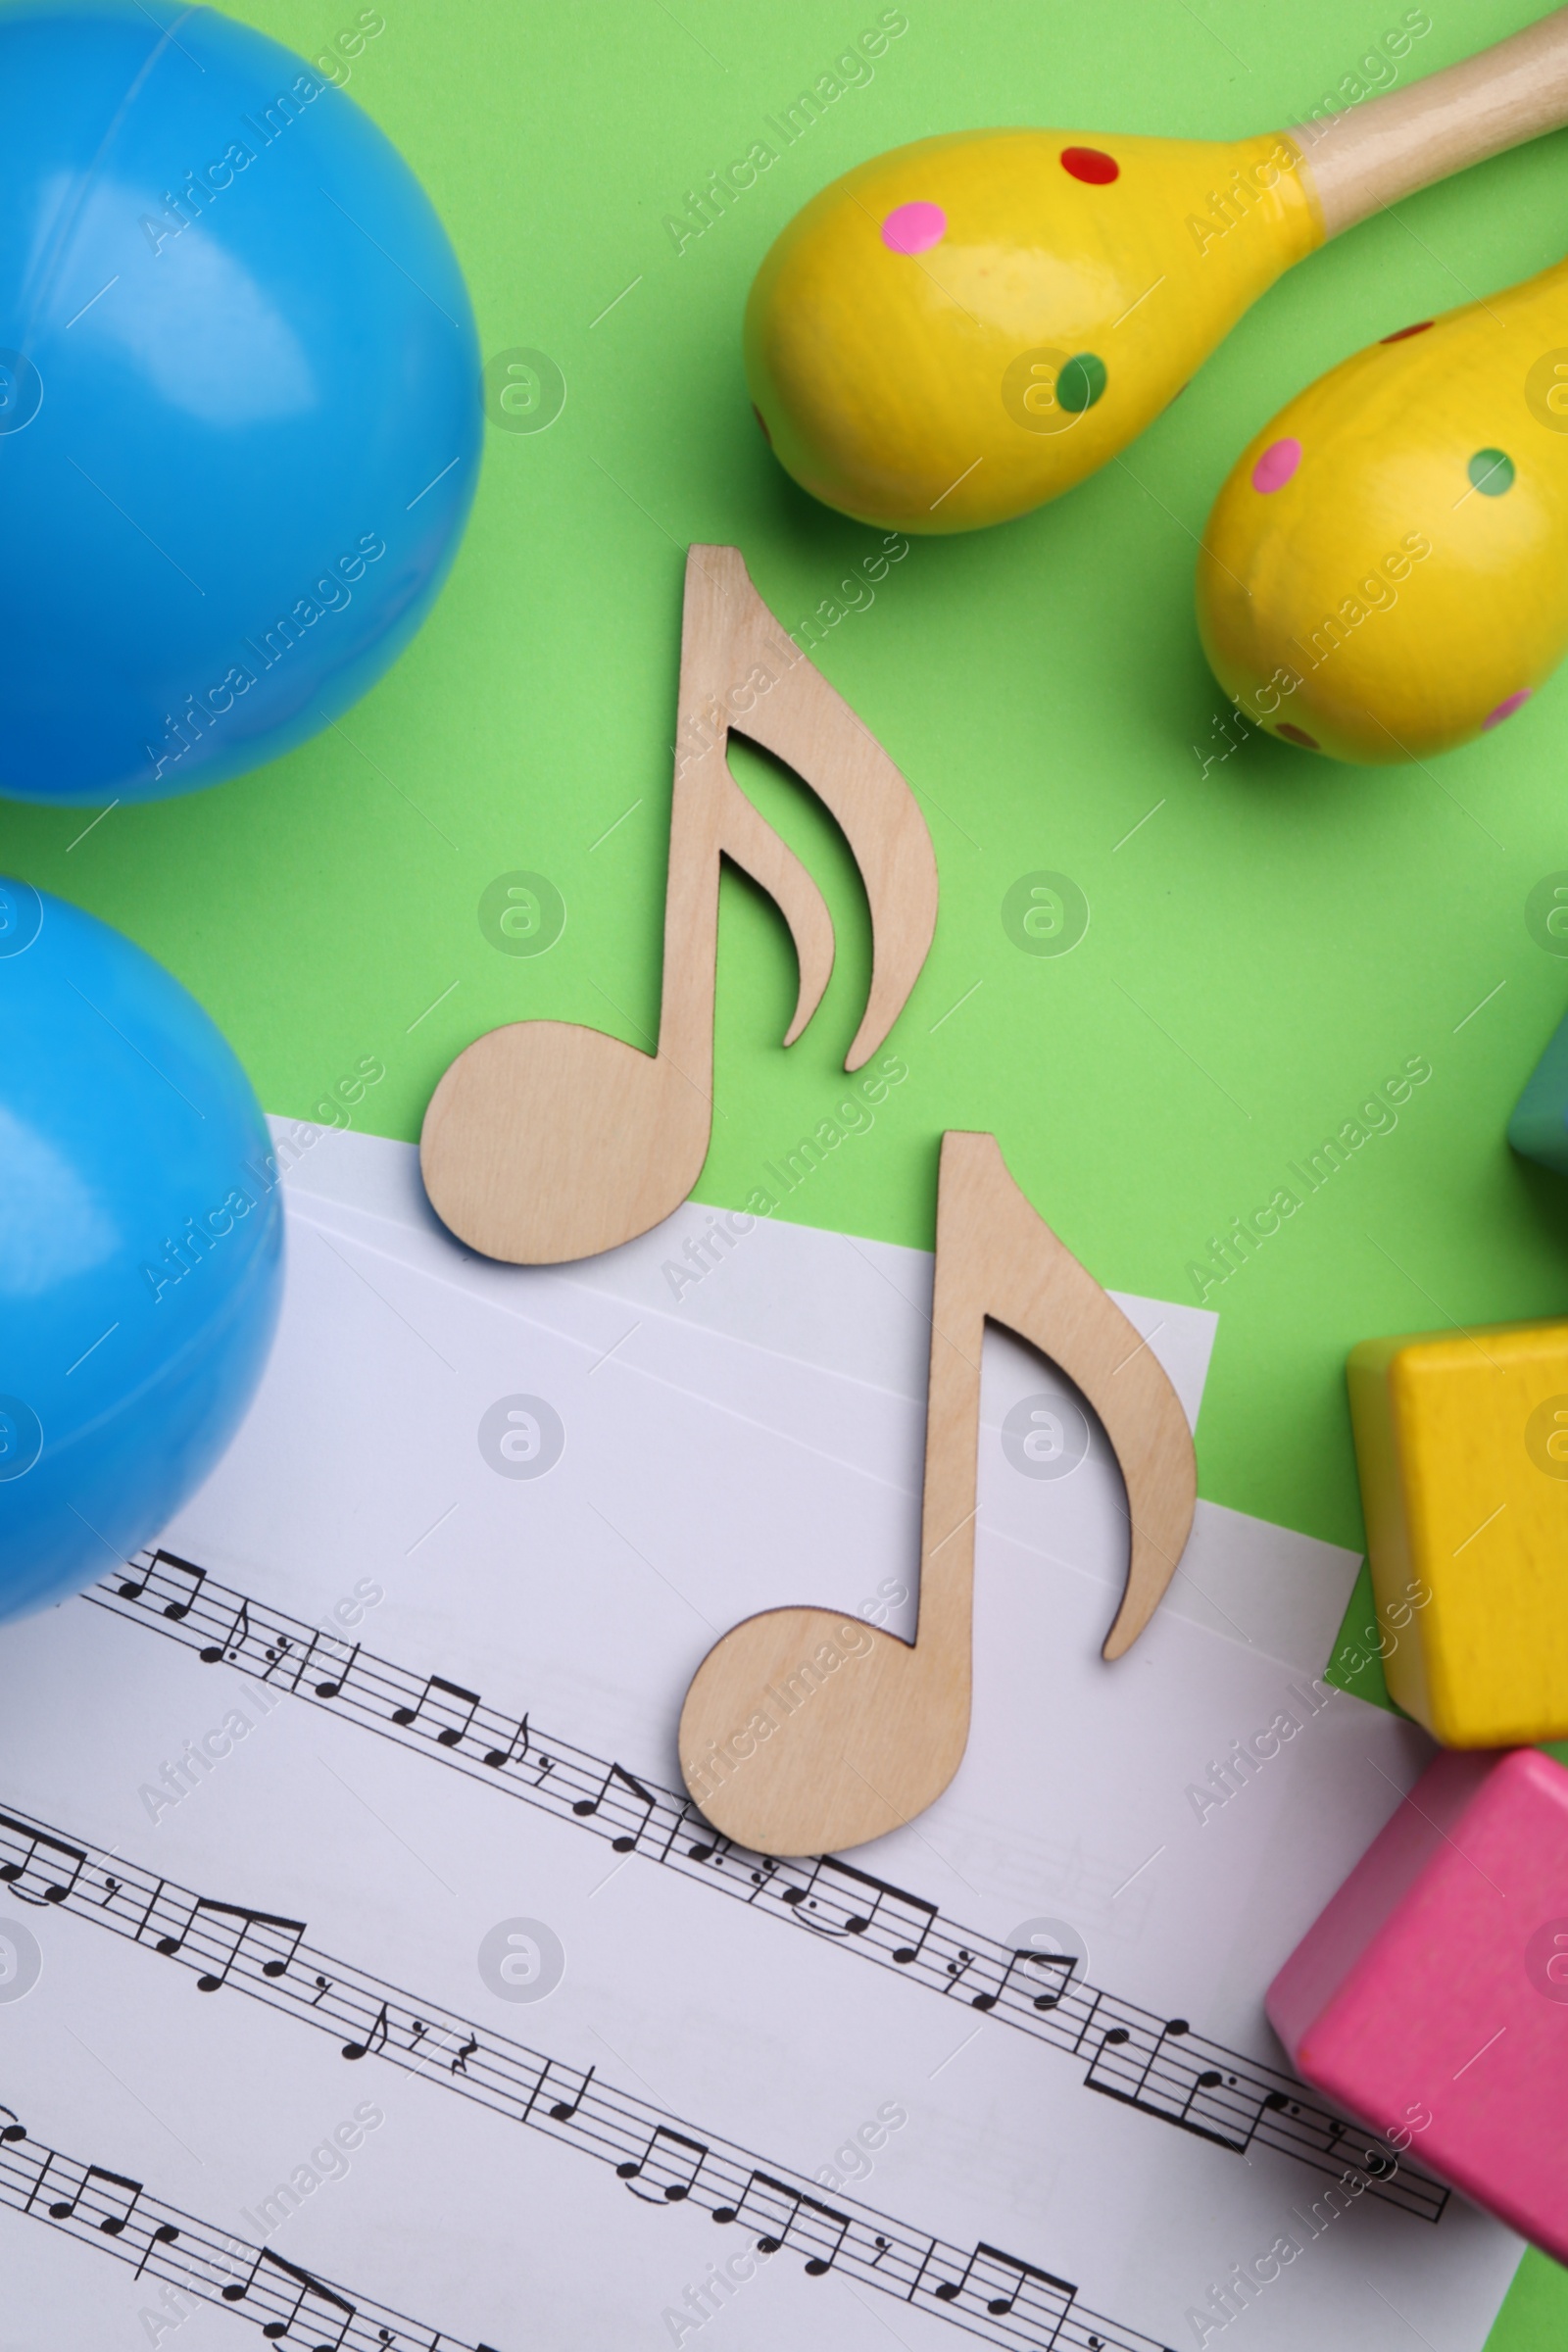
(1463, 1445)
(918, 389)
(1401, 589)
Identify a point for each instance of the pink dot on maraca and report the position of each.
(1276, 465)
(1295, 734)
(1515, 702)
(915, 227)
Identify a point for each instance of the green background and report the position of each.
(1275, 941)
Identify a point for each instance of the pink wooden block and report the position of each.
(1431, 1998)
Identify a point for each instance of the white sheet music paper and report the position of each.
(450, 1679)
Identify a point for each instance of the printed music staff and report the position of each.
(546, 1141)
(290, 2306)
(802, 1733)
(1005, 2299)
(1036, 1993)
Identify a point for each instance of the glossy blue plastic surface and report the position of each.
(240, 411)
(141, 1247)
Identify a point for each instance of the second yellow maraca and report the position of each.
(1385, 573)
(964, 328)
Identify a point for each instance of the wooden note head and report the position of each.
(797, 1736)
(545, 1142)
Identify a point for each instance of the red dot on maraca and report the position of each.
(1090, 165)
(1295, 734)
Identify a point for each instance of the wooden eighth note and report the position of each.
(860, 1749)
(546, 1141)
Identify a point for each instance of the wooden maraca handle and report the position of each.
(1370, 156)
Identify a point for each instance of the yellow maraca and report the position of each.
(964, 328)
(1385, 573)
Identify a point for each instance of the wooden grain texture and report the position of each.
(545, 1141)
(806, 1732)
(1373, 154)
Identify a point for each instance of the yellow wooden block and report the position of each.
(1462, 1442)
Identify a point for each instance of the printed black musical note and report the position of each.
(247, 1926)
(837, 1900)
(763, 2194)
(665, 2176)
(325, 1985)
(560, 2111)
(111, 1887)
(178, 1608)
(464, 1704)
(227, 1649)
(166, 2234)
(56, 1887)
(305, 2289)
(1064, 1963)
(123, 2203)
(332, 1687)
(564, 2109)
(621, 1843)
(998, 2280)
(375, 2040)
(459, 2064)
(515, 1752)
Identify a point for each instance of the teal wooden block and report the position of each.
(1538, 1127)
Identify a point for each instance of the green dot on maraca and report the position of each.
(1081, 383)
